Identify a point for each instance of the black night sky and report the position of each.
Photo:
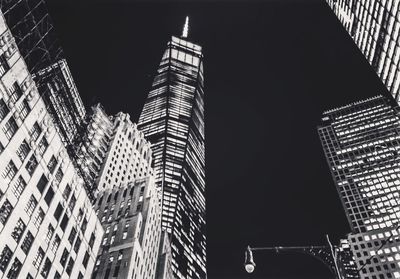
(271, 69)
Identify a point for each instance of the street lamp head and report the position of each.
(249, 264)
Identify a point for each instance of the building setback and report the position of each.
(112, 151)
(374, 27)
(131, 216)
(173, 121)
(47, 225)
(361, 142)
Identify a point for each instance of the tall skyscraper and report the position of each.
(374, 27)
(173, 121)
(361, 142)
(48, 227)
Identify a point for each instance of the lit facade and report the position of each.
(131, 217)
(345, 261)
(361, 142)
(374, 26)
(112, 151)
(173, 121)
(48, 228)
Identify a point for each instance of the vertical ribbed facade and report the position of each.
(374, 26)
(173, 121)
(361, 142)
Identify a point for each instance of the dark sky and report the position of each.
(271, 68)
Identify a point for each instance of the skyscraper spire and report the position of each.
(185, 28)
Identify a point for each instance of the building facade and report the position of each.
(48, 228)
(361, 142)
(345, 261)
(112, 151)
(131, 216)
(58, 90)
(173, 121)
(374, 26)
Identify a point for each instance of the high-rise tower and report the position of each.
(173, 121)
(361, 142)
(374, 27)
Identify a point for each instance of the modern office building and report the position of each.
(374, 27)
(112, 151)
(131, 216)
(34, 32)
(58, 90)
(361, 142)
(173, 121)
(48, 228)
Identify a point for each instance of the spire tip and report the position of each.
(185, 31)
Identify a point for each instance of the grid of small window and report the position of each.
(18, 230)
(19, 187)
(31, 205)
(3, 110)
(35, 131)
(10, 171)
(24, 110)
(5, 211)
(39, 218)
(23, 150)
(15, 92)
(27, 243)
(10, 128)
(31, 165)
(38, 258)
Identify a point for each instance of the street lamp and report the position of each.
(249, 264)
(326, 254)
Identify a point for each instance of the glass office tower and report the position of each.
(361, 142)
(374, 26)
(173, 121)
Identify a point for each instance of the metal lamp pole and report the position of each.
(326, 254)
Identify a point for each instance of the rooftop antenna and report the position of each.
(185, 28)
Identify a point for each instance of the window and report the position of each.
(18, 230)
(70, 266)
(72, 203)
(67, 192)
(19, 187)
(57, 275)
(35, 132)
(72, 236)
(42, 183)
(42, 146)
(27, 243)
(64, 222)
(14, 269)
(3, 110)
(39, 218)
(52, 164)
(58, 211)
(55, 244)
(85, 259)
(84, 225)
(58, 177)
(46, 268)
(10, 128)
(64, 257)
(5, 258)
(31, 165)
(4, 67)
(91, 241)
(30, 207)
(23, 150)
(77, 244)
(49, 234)
(5, 211)
(9, 172)
(49, 196)
(38, 258)
(15, 92)
(24, 110)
